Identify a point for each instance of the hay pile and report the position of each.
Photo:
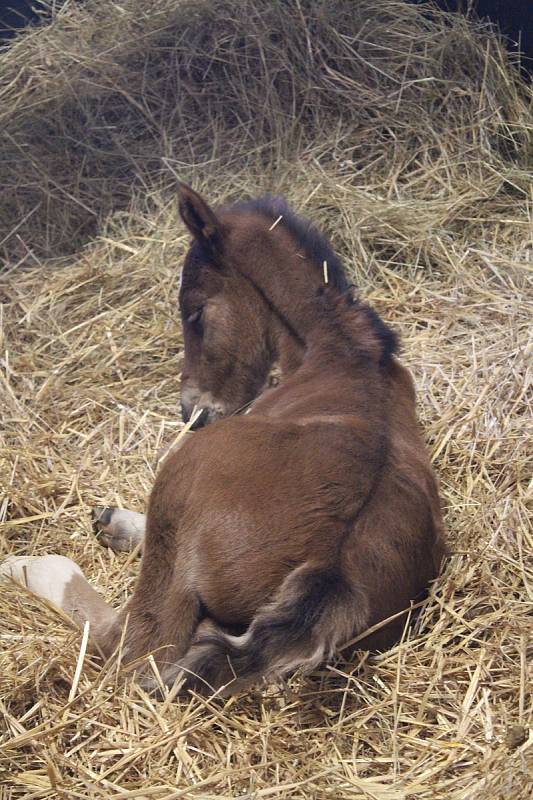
(406, 134)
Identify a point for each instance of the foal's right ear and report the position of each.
(199, 217)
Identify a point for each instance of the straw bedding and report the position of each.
(405, 134)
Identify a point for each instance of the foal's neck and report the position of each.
(292, 323)
(288, 261)
(326, 325)
(291, 282)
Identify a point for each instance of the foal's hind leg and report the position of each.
(60, 581)
(117, 528)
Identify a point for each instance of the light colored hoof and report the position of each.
(117, 528)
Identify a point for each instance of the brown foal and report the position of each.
(272, 537)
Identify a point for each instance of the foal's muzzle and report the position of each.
(201, 419)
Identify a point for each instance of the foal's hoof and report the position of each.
(101, 518)
(117, 528)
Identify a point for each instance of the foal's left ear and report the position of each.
(199, 217)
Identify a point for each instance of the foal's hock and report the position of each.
(275, 536)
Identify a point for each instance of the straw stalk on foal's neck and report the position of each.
(270, 538)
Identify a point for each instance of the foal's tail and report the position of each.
(314, 610)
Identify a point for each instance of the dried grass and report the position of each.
(408, 141)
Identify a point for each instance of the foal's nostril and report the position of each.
(185, 413)
(201, 419)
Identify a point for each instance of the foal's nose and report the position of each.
(201, 419)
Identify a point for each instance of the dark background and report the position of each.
(514, 18)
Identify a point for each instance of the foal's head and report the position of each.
(245, 298)
(225, 320)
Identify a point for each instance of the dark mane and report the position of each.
(387, 337)
(315, 246)
(347, 337)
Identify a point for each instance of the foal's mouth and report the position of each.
(196, 418)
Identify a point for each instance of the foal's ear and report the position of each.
(198, 216)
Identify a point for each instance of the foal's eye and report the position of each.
(196, 316)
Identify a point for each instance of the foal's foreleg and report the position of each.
(60, 581)
(119, 529)
(160, 617)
